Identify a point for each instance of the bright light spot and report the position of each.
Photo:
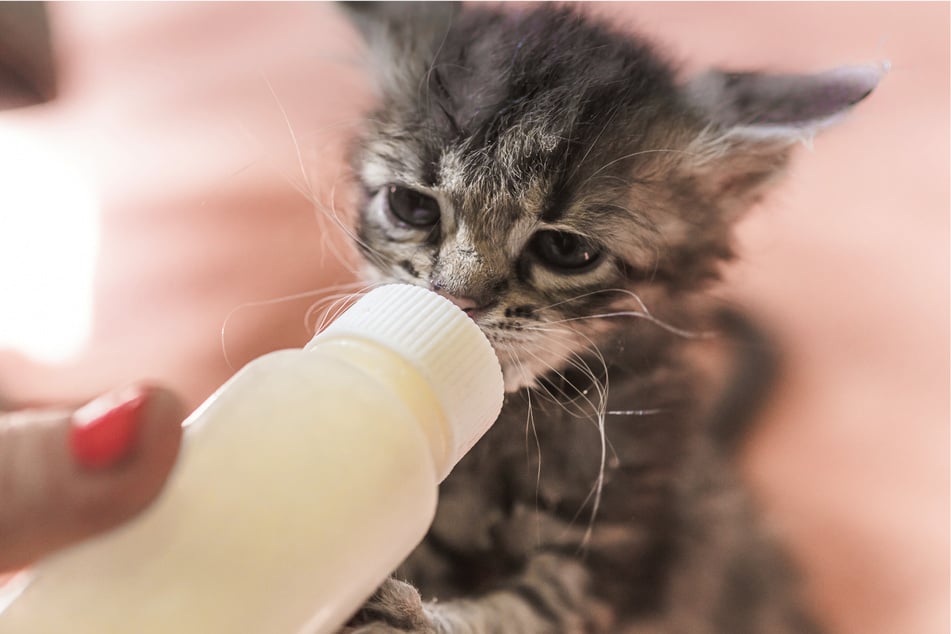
(49, 235)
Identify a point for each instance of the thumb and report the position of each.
(67, 475)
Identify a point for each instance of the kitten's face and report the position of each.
(517, 234)
(538, 170)
(531, 282)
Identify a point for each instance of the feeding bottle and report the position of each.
(302, 483)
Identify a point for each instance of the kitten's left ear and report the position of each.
(402, 38)
(753, 119)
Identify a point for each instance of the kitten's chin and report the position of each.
(516, 377)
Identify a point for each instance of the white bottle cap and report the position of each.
(443, 343)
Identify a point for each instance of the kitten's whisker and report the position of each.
(633, 154)
(321, 215)
(320, 322)
(290, 130)
(424, 81)
(680, 332)
(341, 304)
(300, 189)
(581, 392)
(530, 426)
(572, 405)
(308, 193)
(577, 362)
(600, 411)
(269, 302)
(582, 296)
(598, 488)
(369, 251)
(571, 400)
(359, 289)
(545, 391)
(607, 123)
(316, 306)
(306, 190)
(538, 468)
(334, 309)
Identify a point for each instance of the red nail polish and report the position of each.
(103, 431)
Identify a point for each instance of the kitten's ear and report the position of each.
(753, 119)
(402, 37)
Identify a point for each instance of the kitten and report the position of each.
(554, 179)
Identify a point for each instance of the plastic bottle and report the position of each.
(303, 482)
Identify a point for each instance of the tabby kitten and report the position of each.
(554, 179)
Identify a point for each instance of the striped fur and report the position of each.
(604, 499)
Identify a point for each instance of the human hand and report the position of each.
(65, 476)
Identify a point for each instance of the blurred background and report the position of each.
(180, 178)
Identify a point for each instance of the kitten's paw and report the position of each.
(395, 607)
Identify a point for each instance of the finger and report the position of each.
(65, 476)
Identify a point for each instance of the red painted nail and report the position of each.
(103, 431)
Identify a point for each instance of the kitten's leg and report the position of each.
(550, 596)
(730, 575)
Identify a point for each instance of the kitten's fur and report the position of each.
(518, 122)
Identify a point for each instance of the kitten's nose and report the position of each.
(465, 303)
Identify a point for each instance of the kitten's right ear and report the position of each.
(753, 119)
(403, 38)
(780, 107)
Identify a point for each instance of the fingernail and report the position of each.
(103, 432)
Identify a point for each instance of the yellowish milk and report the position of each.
(304, 481)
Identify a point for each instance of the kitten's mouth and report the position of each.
(469, 306)
(474, 313)
(465, 303)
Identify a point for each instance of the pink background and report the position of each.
(171, 109)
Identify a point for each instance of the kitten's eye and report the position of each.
(567, 252)
(412, 208)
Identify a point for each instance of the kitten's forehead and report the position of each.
(497, 184)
